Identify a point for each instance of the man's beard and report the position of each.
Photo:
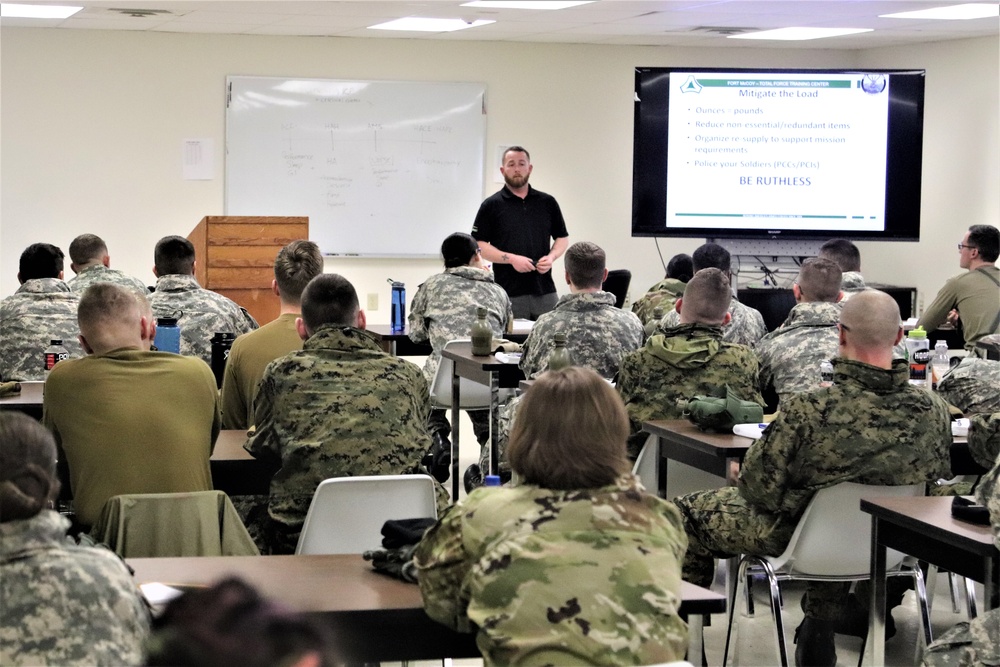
(515, 181)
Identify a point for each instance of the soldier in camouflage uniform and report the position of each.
(847, 256)
(790, 356)
(598, 335)
(657, 381)
(976, 642)
(579, 565)
(42, 309)
(90, 261)
(338, 407)
(61, 604)
(201, 313)
(973, 386)
(445, 308)
(746, 325)
(862, 429)
(664, 294)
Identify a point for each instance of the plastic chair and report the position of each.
(617, 283)
(346, 514)
(473, 395)
(645, 465)
(830, 543)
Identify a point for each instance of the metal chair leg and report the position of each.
(734, 612)
(970, 597)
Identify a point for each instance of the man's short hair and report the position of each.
(843, 252)
(579, 446)
(819, 280)
(987, 239)
(871, 320)
(27, 466)
(585, 263)
(40, 260)
(711, 256)
(174, 255)
(294, 266)
(515, 149)
(329, 298)
(86, 248)
(706, 297)
(106, 306)
(680, 267)
(458, 249)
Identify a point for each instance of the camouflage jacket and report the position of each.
(973, 386)
(338, 407)
(663, 294)
(745, 328)
(984, 439)
(851, 282)
(99, 273)
(559, 577)
(39, 311)
(201, 313)
(445, 308)
(598, 335)
(64, 604)
(870, 427)
(657, 381)
(790, 355)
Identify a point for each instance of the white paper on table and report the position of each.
(157, 593)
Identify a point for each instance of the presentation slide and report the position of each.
(777, 151)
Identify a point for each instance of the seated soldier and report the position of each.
(61, 604)
(338, 407)
(973, 386)
(664, 294)
(790, 356)
(847, 256)
(42, 309)
(746, 325)
(689, 359)
(294, 266)
(200, 313)
(129, 420)
(91, 262)
(861, 430)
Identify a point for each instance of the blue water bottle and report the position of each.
(398, 306)
(168, 335)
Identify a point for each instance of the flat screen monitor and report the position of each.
(777, 154)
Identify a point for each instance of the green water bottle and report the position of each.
(559, 358)
(481, 334)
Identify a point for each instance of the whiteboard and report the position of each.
(382, 168)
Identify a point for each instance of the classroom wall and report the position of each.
(93, 121)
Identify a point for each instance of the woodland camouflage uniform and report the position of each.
(973, 386)
(745, 328)
(663, 294)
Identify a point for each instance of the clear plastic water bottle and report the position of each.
(918, 353)
(53, 354)
(826, 373)
(560, 357)
(940, 362)
(168, 335)
(398, 306)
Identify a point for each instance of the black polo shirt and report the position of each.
(520, 227)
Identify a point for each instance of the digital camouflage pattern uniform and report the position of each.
(201, 313)
(973, 386)
(39, 311)
(851, 282)
(338, 407)
(790, 355)
(745, 328)
(586, 577)
(98, 273)
(598, 337)
(663, 294)
(870, 427)
(657, 381)
(976, 642)
(64, 604)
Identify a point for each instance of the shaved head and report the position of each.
(109, 316)
(871, 320)
(706, 298)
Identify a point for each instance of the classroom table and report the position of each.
(682, 441)
(399, 344)
(234, 470)
(925, 529)
(29, 400)
(373, 617)
(485, 370)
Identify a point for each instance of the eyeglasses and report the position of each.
(970, 247)
(843, 326)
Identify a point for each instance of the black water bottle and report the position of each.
(222, 342)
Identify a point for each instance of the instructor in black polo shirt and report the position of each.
(514, 228)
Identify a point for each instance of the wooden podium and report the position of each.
(235, 257)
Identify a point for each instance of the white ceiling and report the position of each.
(637, 22)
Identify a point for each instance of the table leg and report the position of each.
(456, 385)
(696, 647)
(990, 583)
(494, 424)
(876, 610)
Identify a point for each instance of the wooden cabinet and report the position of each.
(235, 257)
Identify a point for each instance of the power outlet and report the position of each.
(372, 301)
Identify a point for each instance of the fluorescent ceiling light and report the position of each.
(15, 11)
(419, 24)
(526, 4)
(799, 34)
(953, 13)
